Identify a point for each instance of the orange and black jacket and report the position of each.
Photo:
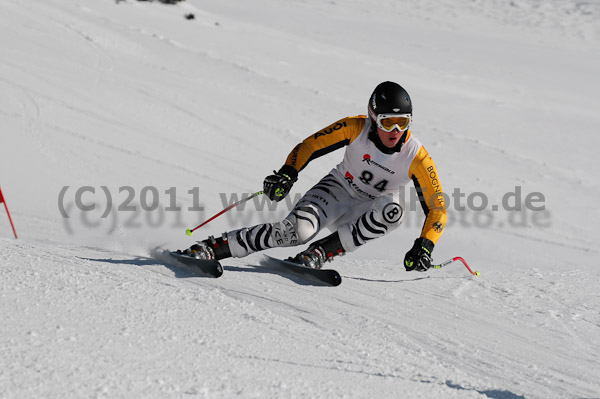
(420, 167)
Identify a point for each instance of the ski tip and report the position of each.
(336, 279)
(323, 276)
(218, 270)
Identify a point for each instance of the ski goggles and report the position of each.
(389, 122)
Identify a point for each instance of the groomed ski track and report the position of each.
(130, 98)
(93, 322)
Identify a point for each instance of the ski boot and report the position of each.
(320, 252)
(209, 249)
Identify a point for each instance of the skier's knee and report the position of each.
(392, 214)
(304, 228)
(305, 233)
(373, 224)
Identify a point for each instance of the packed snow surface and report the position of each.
(124, 123)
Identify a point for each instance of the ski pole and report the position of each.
(189, 232)
(458, 258)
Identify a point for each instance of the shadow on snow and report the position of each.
(181, 270)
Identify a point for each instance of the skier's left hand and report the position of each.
(419, 256)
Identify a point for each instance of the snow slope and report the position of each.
(131, 99)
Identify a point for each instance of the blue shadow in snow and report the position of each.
(179, 271)
(491, 393)
(139, 261)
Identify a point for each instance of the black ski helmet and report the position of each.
(389, 98)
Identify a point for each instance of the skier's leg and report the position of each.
(322, 206)
(386, 215)
(318, 208)
(247, 240)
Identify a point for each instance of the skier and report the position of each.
(359, 199)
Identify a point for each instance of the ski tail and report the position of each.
(206, 266)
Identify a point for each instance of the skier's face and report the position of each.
(389, 139)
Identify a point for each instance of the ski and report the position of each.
(211, 267)
(326, 276)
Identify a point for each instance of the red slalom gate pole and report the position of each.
(2, 200)
(457, 258)
(189, 232)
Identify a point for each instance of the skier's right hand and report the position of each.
(278, 185)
